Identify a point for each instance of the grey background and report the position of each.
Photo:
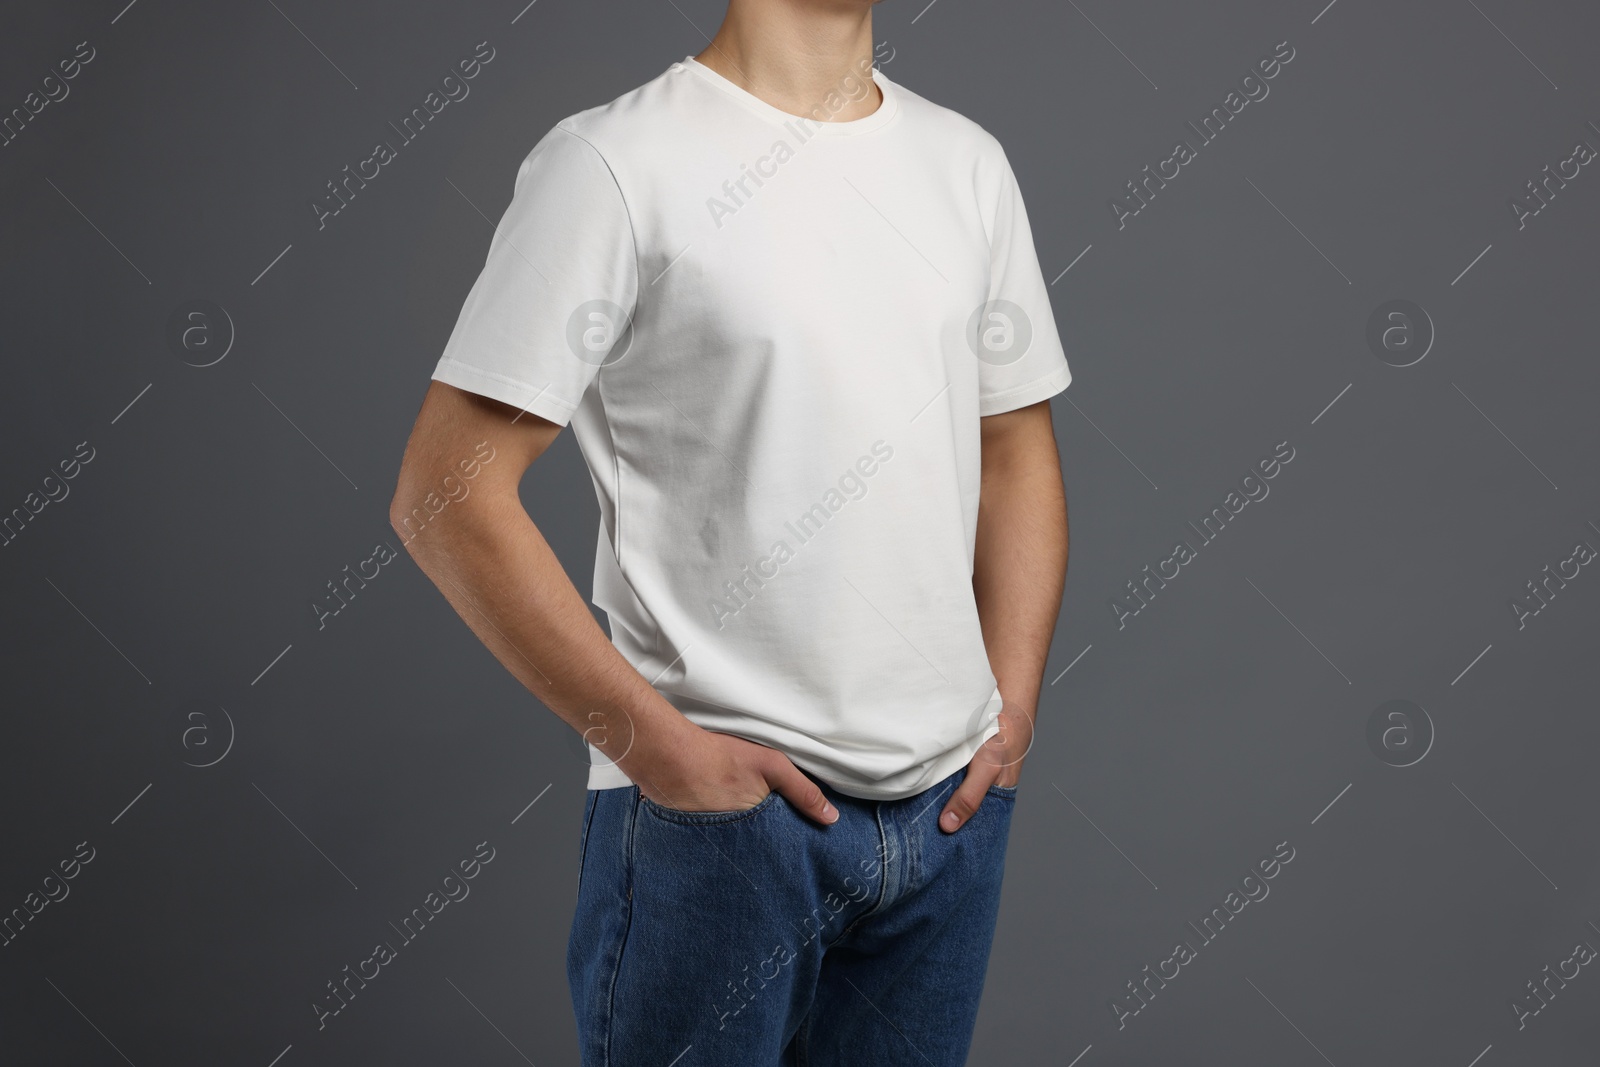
(1229, 715)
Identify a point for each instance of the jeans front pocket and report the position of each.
(705, 818)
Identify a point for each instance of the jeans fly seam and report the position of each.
(883, 880)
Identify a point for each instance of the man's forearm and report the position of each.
(1020, 560)
(498, 572)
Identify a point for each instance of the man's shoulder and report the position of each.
(961, 135)
(632, 119)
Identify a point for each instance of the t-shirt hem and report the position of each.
(1023, 395)
(520, 395)
(609, 775)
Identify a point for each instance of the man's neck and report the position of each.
(794, 55)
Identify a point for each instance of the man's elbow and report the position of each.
(408, 517)
(443, 508)
(415, 506)
(407, 520)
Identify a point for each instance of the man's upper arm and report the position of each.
(463, 443)
(1010, 433)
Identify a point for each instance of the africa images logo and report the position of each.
(999, 332)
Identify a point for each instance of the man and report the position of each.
(794, 315)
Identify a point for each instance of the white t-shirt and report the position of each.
(774, 339)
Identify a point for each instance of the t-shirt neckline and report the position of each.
(886, 111)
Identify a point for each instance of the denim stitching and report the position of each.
(883, 879)
(616, 973)
(591, 802)
(706, 818)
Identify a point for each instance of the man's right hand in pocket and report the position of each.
(701, 770)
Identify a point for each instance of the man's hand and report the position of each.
(998, 762)
(706, 771)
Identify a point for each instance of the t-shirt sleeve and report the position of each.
(556, 296)
(1021, 360)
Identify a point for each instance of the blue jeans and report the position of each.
(759, 938)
